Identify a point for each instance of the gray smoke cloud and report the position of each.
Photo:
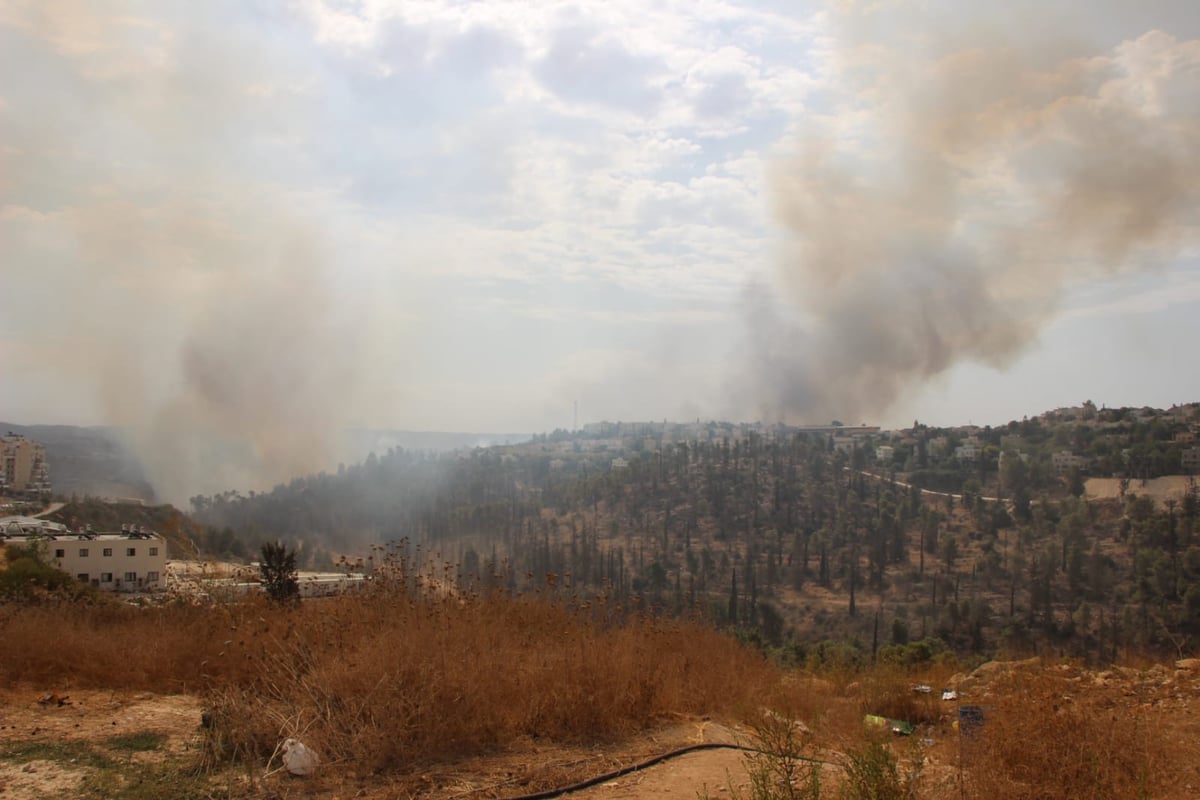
(176, 297)
(957, 184)
(264, 383)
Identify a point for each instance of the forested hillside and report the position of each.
(797, 543)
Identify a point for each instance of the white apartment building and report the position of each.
(968, 451)
(1065, 461)
(129, 561)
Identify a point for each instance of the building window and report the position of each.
(130, 577)
(83, 552)
(83, 576)
(151, 577)
(153, 551)
(60, 553)
(131, 551)
(106, 577)
(108, 551)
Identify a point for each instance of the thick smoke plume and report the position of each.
(192, 305)
(954, 188)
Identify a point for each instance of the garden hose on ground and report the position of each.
(608, 776)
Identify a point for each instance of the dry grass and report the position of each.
(110, 645)
(1045, 737)
(395, 681)
(392, 679)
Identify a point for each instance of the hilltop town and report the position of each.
(1131, 443)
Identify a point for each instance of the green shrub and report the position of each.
(912, 654)
(781, 770)
(28, 577)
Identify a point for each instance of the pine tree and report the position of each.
(278, 568)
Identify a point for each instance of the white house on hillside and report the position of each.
(1065, 460)
(968, 451)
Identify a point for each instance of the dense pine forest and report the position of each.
(814, 546)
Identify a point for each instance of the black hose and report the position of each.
(608, 776)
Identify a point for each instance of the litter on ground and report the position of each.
(298, 759)
(896, 726)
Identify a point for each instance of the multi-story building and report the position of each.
(23, 467)
(128, 561)
(968, 451)
(1064, 461)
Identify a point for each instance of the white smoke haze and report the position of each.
(195, 307)
(960, 185)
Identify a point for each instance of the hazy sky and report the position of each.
(263, 219)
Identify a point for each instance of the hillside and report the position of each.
(800, 541)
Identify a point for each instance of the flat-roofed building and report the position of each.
(1064, 461)
(128, 561)
(968, 451)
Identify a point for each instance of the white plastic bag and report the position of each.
(298, 759)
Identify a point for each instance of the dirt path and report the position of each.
(53, 744)
(927, 492)
(698, 774)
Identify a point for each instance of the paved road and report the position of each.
(923, 491)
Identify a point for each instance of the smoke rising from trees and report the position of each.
(955, 188)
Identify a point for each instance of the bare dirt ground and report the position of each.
(48, 750)
(38, 730)
(48, 742)
(1158, 489)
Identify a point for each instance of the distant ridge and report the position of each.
(98, 461)
(359, 443)
(93, 461)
